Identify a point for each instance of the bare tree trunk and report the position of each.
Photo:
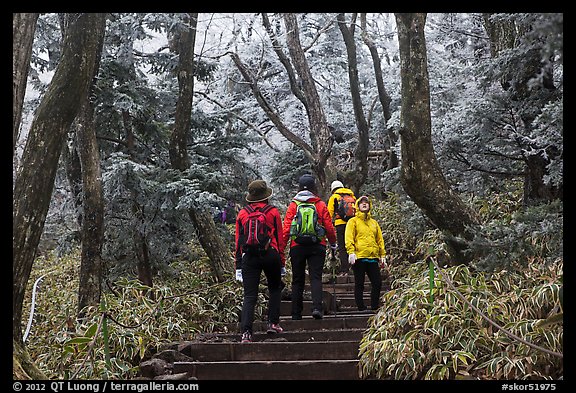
(320, 135)
(357, 176)
(502, 36)
(35, 181)
(210, 240)
(23, 368)
(23, 28)
(303, 87)
(91, 264)
(505, 34)
(73, 169)
(130, 138)
(220, 255)
(91, 269)
(536, 191)
(183, 41)
(143, 266)
(383, 95)
(420, 174)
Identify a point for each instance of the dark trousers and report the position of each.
(372, 270)
(313, 256)
(342, 254)
(252, 267)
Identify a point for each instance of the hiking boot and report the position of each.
(274, 328)
(317, 314)
(246, 337)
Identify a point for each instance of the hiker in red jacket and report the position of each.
(307, 223)
(258, 248)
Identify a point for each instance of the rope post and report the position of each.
(333, 263)
(431, 279)
(105, 332)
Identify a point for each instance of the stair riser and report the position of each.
(307, 323)
(308, 349)
(271, 351)
(342, 301)
(305, 370)
(302, 336)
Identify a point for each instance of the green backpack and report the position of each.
(304, 228)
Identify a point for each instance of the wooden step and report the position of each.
(355, 321)
(291, 336)
(307, 349)
(347, 287)
(270, 350)
(270, 370)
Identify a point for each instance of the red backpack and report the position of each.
(255, 232)
(346, 208)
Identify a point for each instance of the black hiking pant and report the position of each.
(312, 256)
(252, 267)
(342, 254)
(372, 270)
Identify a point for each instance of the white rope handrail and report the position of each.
(32, 307)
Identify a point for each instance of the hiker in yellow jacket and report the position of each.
(338, 191)
(366, 252)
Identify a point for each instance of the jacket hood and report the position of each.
(360, 214)
(306, 196)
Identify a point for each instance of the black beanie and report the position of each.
(307, 182)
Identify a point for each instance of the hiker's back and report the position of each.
(305, 228)
(255, 230)
(346, 208)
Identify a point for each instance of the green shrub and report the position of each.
(140, 319)
(411, 338)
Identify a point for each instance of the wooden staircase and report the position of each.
(308, 349)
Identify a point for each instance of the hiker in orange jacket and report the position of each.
(313, 253)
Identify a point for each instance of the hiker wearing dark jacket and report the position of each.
(312, 255)
(250, 264)
(366, 252)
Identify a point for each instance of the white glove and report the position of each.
(352, 259)
(239, 275)
(383, 264)
(283, 271)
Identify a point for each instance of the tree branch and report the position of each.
(272, 115)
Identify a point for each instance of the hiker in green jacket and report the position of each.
(366, 252)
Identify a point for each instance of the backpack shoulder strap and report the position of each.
(266, 208)
(298, 203)
(249, 209)
(336, 200)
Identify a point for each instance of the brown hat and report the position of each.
(258, 191)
